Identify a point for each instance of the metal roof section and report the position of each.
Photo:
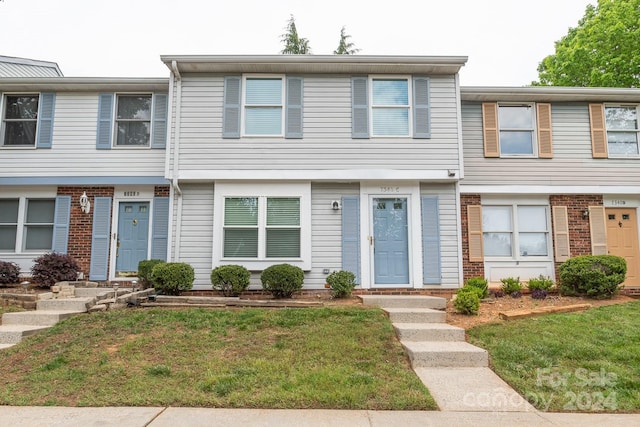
(23, 67)
(78, 84)
(315, 64)
(549, 94)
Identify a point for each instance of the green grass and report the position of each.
(588, 362)
(9, 309)
(342, 358)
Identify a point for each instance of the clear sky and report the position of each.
(504, 39)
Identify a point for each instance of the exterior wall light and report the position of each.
(335, 205)
(85, 204)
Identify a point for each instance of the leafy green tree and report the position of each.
(293, 43)
(345, 47)
(602, 51)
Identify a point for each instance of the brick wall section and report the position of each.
(161, 191)
(579, 230)
(81, 224)
(469, 269)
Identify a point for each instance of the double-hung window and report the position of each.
(20, 120)
(515, 231)
(516, 130)
(390, 107)
(26, 224)
(622, 130)
(263, 106)
(133, 120)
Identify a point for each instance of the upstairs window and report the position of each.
(133, 120)
(622, 130)
(516, 130)
(390, 107)
(263, 106)
(20, 120)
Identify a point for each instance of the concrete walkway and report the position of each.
(177, 417)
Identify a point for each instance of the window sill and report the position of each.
(260, 265)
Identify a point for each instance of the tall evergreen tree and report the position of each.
(293, 43)
(345, 47)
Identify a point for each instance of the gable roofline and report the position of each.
(315, 64)
(548, 94)
(83, 84)
(32, 63)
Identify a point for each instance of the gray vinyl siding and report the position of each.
(73, 151)
(572, 162)
(327, 141)
(449, 212)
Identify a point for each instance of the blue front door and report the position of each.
(390, 244)
(133, 236)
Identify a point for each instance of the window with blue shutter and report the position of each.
(231, 114)
(351, 235)
(160, 228)
(431, 264)
(421, 108)
(62, 216)
(105, 121)
(159, 131)
(100, 238)
(45, 120)
(359, 107)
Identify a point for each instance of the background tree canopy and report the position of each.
(602, 51)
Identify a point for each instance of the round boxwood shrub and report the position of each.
(342, 283)
(144, 271)
(9, 273)
(593, 276)
(171, 278)
(480, 283)
(54, 267)
(282, 280)
(230, 279)
(467, 300)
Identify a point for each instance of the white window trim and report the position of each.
(283, 104)
(298, 189)
(606, 131)
(114, 131)
(409, 106)
(3, 103)
(534, 130)
(19, 244)
(515, 243)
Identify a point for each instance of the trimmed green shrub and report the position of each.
(540, 283)
(171, 278)
(594, 276)
(9, 273)
(54, 267)
(144, 271)
(480, 283)
(467, 300)
(231, 280)
(512, 286)
(342, 283)
(282, 280)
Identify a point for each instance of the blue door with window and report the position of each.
(390, 241)
(133, 237)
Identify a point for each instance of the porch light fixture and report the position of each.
(335, 205)
(585, 214)
(85, 204)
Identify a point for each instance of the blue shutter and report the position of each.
(359, 107)
(421, 108)
(160, 228)
(105, 121)
(61, 224)
(45, 120)
(293, 118)
(430, 241)
(231, 115)
(100, 238)
(159, 131)
(351, 235)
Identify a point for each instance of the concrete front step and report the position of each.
(416, 315)
(13, 334)
(66, 304)
(427, 354)
(6, 345)
(404, 301)
(428, 332)
(36, 318)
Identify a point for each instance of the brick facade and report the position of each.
(81, 224)
(469, 269)
(161, 191)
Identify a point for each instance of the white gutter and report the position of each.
(176, 156)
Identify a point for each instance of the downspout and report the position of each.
(176, 157)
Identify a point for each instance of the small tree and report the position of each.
(293, 43)
(345, 47)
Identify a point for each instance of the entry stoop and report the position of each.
(430, 354)
(428, 332)
(404, 301)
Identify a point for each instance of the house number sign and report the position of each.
(131, 194)
(389, 189)
(618, 202)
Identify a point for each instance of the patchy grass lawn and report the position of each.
(588, 362)
(339, 358)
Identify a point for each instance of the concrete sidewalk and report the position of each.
(25, 416)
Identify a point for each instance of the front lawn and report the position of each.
(588, 362)
(338, 358)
